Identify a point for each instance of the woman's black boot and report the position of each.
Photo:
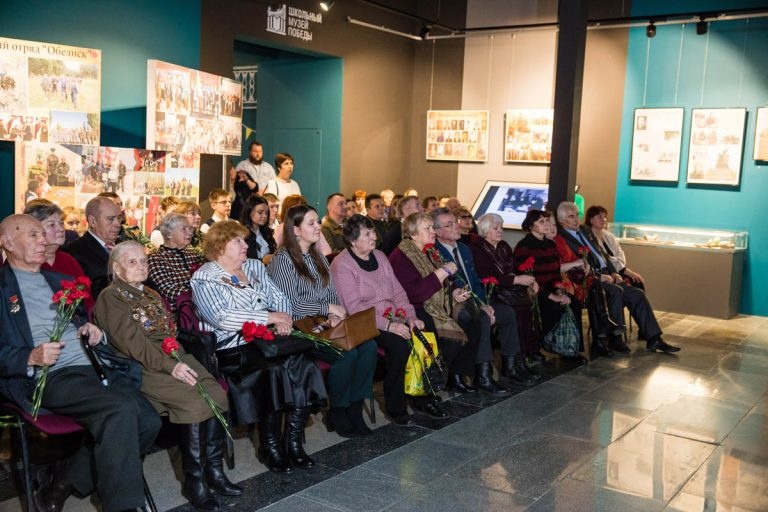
(214, 464)
(294, 438)
(355, 415)
(337, 420)
(195, 488)
(270, 451)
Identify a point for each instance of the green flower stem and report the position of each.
(208, 400)
(319, 342)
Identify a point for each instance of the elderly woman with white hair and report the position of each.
(172, 265)
(494, 258)
(136, 323)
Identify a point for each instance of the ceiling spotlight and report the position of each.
(327, 4)
(701, 27)
(650, 30)
(425, 29)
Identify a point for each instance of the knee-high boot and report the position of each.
(270, 450)
(195, 488)
(294, 438)
(214, 460)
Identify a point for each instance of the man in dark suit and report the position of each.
(122, 423)
(448, 234)
(92, 249)
(618, 293)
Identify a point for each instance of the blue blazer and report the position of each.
(469, 265)
(16, 336)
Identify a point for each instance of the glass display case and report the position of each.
(706, 239)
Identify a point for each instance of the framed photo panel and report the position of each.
(528, 136)
(190, 111)
(49, 92)
(656, 144)
(761, 135)
(716, 146)
(510, 200)
(457, 135)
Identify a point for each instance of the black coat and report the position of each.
(92, 257)
(16, 336)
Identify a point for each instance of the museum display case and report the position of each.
(686, 270)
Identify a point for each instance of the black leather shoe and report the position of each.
(355, 416)
(457, 384)
(337, 420)
(536, 358)
(51, 497)
(599, 349)
(618, 345)
(660, 345)
(484, 380)
(401, 420)
(513, 369)
(433, 410)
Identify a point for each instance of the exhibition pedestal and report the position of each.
(689, 280)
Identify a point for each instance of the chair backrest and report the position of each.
(186, 312)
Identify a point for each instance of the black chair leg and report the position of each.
(25, 462)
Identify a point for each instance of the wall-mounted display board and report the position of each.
(49, 92)
(716, 146)
(761, 135)
(656, 144)
(457, 135)
(70, 175)
(528, 136)
(191, 111)
(510, 200)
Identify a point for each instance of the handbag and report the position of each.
(563, 339)
(424, 370)
(516, 296)
(347, 334)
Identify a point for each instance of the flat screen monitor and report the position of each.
(510, 200)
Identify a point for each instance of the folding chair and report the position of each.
(52, 425)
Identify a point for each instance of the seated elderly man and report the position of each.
(121, 422)
(448, 235)
(617, 293)
(92, 249)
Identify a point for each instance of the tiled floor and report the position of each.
(684, 432)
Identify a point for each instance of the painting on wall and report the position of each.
(510, 200)
(716, 146)
(761, 135)
(457, 135)
(49, 92)
(528, 136)
(656, 144)
(70, 175)
(190, 111)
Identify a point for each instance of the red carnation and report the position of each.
(428, 248)
(528, 265)
(249, 331)
(170, 345)
(490, 280)
(387, 313)
(83, 281)
(400, 313)
(58, 296)
(583, 251)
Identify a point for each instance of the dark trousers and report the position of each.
(398, 350)
(458, 357)
(506, 329)
(123, 426)
(478, 329)
(622, 295)
(350, 378)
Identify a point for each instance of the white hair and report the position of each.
(488, 221)
(566, 207)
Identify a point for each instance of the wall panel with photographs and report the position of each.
(528, 136)
(716, 146)
(457, 135)
(70, 175)
(49, 92)
(190, 111)
(511, 200)
(656, 144)
(761, 135)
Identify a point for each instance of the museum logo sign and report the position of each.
(292, 22)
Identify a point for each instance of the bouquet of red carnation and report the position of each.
(434, 255)
(252, 331)
(394, 315)
(67, 300)
(171, 347)
(560, 288)
(490, 283)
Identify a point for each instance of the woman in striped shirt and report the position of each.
(301, 272)
(228, 291)
(547, 269)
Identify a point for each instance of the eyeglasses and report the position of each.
(465, 217)
(449, 225)
(227, 201)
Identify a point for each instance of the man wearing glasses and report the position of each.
(221, 204)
